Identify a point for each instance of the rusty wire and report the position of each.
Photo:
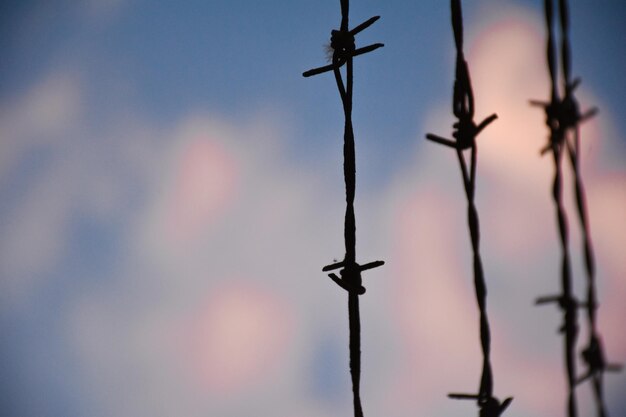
(465, 132)
(344, 50)
(563, 118)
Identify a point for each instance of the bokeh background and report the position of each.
(170, 187)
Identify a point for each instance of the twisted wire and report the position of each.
(349, 170)
(566, 301)
(465, 132)
(592, 354)
(344, 50)
(595, 364)
(563, 119)
(463, 107)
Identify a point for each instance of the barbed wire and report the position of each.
(344, 50)
(563, 118)
(566, 300)
(465, 132)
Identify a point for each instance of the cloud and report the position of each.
(33, 126)
(238, 339)
(203, 307)
(210, 299)
(199, 185)
(38, 117)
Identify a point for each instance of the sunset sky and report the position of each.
(171, 186)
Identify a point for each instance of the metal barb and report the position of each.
(350, 275)
(343, 46)
(488, 406)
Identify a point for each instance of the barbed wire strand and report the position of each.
(592, 354)
(563, 119)
(465, 132)
(344, 50)
(566, 300)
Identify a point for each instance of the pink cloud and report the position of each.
(433, 303)
(204, 183)
(237, 337)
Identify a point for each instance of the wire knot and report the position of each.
(569, 305)
(593, 356)
(465, 129)
(350, 275)
(489, 406)
(342, 44)
(570, 115)
(563, 115)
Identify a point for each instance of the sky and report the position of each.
(171, 186)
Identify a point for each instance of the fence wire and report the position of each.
(343, 47)
(563, 119)
(465, 133)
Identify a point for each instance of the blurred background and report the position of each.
(170, 188)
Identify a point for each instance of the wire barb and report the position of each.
(350, 275)
(489, 406)
(343, 47)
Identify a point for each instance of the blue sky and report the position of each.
(167, 175)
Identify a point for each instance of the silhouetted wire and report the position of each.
(465, 132)
(593, 353)
(344, 50)
(566, 300)
(570, 120)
